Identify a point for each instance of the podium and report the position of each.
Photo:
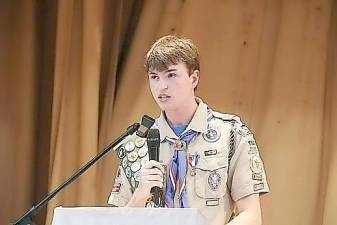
(127, 216)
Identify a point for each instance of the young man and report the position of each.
(211, 159)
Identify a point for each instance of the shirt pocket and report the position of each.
(211, 177)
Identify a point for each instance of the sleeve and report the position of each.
(246, 171)
(121, 190)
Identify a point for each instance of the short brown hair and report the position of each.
(171, 50)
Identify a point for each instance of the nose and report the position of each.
(163, 84)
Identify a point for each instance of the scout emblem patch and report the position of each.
(212, 135)
(256, 164)
(214, 180)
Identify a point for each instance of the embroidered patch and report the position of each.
(212, 202)
(121, 152)
(258, 187)
(257, 176)
(252, 150)
(211, 152)
(211, 135)
(129, 146)
(244, 131)
(251, 142)
(116, 188)
(214, 180)
(256, 164)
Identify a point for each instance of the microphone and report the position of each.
(146, 124)
(153, 143)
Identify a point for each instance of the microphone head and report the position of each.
(153, 143)
(146, 124)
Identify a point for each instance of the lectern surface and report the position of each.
(126, 216)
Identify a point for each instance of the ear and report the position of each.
(195, 78)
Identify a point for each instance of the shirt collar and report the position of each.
(198, 122)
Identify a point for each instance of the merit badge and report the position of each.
(116, 188)
(211, 135)
(121, 152)
(137, 176)
(256, 164)
(139, 142)
(214, 180)
(143, 161)
(125, 163)
(129, 146)
(180, 145)
(133, 182)
(128, 172)
(132, 156)
(142, 152)
(135, 166)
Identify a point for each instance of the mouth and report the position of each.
(163, 97)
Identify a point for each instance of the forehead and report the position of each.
(180, 67)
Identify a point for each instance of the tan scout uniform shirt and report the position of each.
(229, 167)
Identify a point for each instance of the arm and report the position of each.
(249, 211)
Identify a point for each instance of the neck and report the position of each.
(182, 116)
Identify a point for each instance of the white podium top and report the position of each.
(127, 216)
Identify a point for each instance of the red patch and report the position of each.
(116, 188)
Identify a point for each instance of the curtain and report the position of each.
(72, 79)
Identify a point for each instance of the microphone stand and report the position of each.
(26, 219)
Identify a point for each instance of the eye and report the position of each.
(154, 77)
(171, 75)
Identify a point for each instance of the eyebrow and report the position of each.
(166, 71)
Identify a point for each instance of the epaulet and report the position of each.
(226, 117)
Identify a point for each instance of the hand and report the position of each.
(151, 175)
